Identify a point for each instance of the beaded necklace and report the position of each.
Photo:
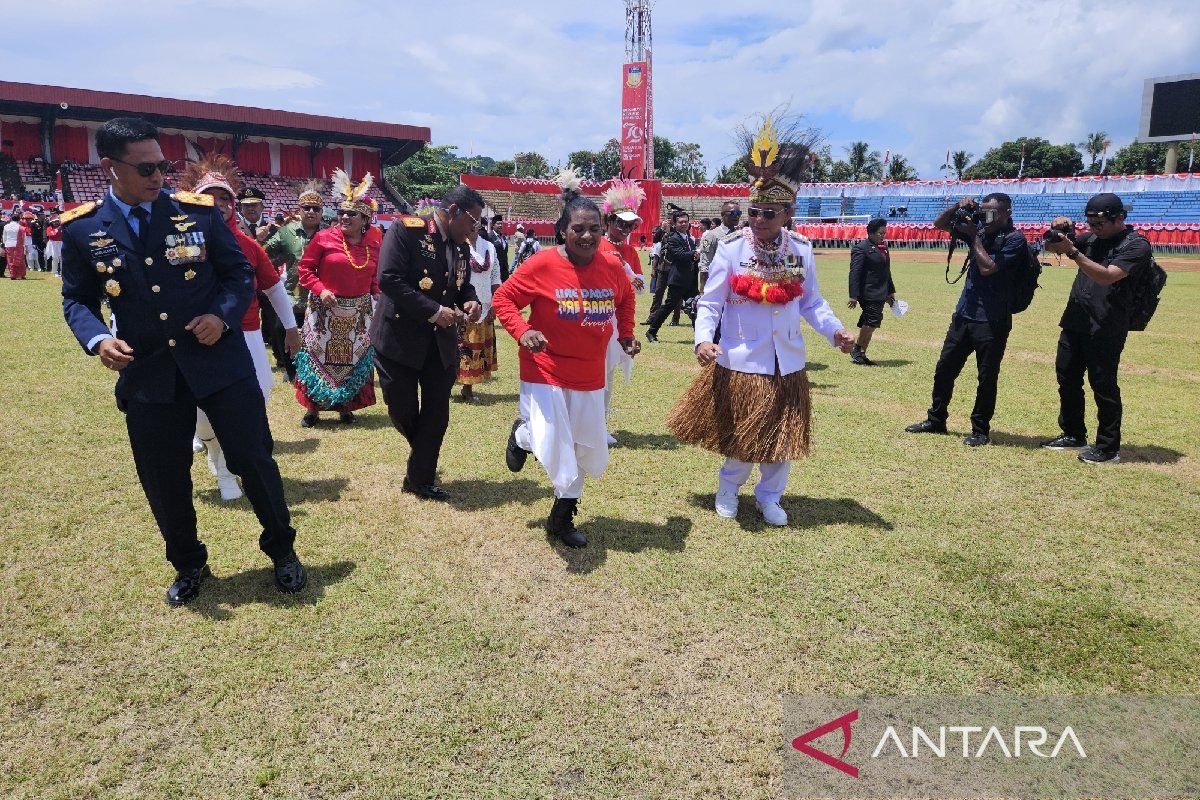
(770, 278)
(346, 250)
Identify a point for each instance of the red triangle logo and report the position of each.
(801, 743)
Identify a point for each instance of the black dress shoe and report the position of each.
(290, 576)
(561, 523)
(977, 440)
(651, 336)
(186, 587)
(514, 454)
(346, 418)
(927, 426)
(1065, 442)
(427, 491)
(308, 420)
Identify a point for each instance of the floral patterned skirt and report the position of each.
(335, 370)
(476, 352)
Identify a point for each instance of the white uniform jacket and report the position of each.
(754, 336)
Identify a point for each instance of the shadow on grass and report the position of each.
(483, 399)
(296, 491)
(803, 512)
(308, 445)
(815, 366)
(220, 594)
(477, 495)
(891, 362)
(1130, 454)
(646, 441)
(608, 533)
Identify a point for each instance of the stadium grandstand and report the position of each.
(1164, 207)
(48, 151)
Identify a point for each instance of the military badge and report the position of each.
(183, 226)
(186, 248)
(425, 283)
(191, 273)
(100, 243)
(112, 287)
(180, 218)
(101, 266)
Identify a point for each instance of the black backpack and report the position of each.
(1025, 282)
(1144, 288)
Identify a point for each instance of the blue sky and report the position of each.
(495, 78)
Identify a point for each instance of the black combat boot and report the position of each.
(561, 523)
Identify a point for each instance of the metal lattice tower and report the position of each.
(639, 39)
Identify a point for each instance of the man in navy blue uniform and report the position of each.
(177, 284)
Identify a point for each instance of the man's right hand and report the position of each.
(114, 354)
(447, 317)
(853, 302)
(707, 352)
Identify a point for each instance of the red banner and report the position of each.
(637, 147)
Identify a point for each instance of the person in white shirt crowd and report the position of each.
(477, 340)
(751, 403)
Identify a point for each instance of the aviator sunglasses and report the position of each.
(148, 168)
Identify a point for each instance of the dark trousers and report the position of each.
(987, 341)
(272, 329)
(659, 290)
(422, 420)
(1099, 354)
(160, 435)
(675, 297)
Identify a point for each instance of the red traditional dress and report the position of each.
(14, 249)
(334, 371)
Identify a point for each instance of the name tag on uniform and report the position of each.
(186, 248)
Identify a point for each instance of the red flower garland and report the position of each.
(760, 291)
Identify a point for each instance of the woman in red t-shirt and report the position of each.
(335, 370)
(575, 294)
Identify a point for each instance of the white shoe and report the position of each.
(773, 513)
(611, 439)
(230, 488)
(197, 445)
(727, 504)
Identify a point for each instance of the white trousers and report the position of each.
(773, 478)
(266, 379)
(564, 429)
(614, 357)
(54, 256)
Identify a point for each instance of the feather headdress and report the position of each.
(569, 179)
(311, 194)
(353, 197)
(212, 171)
(776, 157)
(623, 198)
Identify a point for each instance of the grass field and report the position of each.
(452, 652)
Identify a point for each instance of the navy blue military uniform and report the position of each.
(185, 263)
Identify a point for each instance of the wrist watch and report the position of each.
(1074, 252)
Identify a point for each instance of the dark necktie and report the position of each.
(143, 218)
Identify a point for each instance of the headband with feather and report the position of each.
(353, 198)
(214, 171)
(312, 193)
(776, 157)
(623, 199)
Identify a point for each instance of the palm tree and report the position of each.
(900, 170)
(864, 162)
(1094, 146)
(958, 162)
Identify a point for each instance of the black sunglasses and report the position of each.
(148, 168)
(346, 211)
(766, 213)
(736, 212)
(311, 208)
(626, 225)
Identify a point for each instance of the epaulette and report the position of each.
(799, 237)
(78, 211)
(412, 221)
(193, 198)
(732, 236)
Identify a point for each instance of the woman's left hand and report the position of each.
(291, 342)
(631, 346)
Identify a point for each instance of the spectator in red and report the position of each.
(575, 294)
(54, 246)
(14, 247)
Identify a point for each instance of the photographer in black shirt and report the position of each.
(1095, 325)
(983, 317)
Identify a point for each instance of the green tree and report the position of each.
(865, 164)
(430, 172)
(959, 160)
(733, 173)
(689, 162)
(900, 170)
(840, 172)
(608, 160)
(1148, 158)
(532, 165)
(1094, 146)
(584, 161)
(1042, 160)
(664, 159)
(502, 168)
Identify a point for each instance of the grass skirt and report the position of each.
(476, 352)
(760, 419)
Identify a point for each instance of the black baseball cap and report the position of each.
(1106, 203)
